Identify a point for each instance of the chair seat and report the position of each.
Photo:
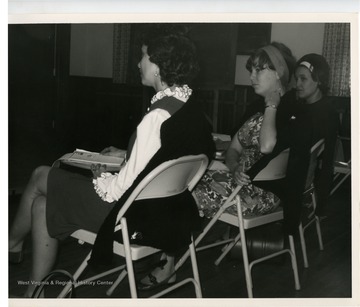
(137, 251)
(342, 170)
(342, 167)
(253, 221)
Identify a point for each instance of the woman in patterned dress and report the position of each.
(270, 70)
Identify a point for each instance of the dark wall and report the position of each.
(31, 79)
(104, 113)
(51, 113)
(38, 57)
(216, 49)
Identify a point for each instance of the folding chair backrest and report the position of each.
(315, 152)
(173, 177)
(276, 169)
(170, 178)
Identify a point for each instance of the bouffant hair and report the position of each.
(175, 54)
(260, 58)
(320, 71)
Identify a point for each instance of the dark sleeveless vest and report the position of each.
(170, 105)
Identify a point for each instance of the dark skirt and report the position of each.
(164, 223)
(73, 204)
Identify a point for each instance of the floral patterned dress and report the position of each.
(216, 185)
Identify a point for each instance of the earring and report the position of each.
(156, 74)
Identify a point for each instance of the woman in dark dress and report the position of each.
(57, 202)
(314, 118)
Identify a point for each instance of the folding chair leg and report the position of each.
(303, 246)
(195, 280)
(245, 257)
(227, 250)
(247, 270)
(294, 263)
(81, 269)
(206, 230)
(116, 283)
(339, 183)
(182, 260)
(76, 275)
(318, 230)
(195, 269)
(317, 221)
(129, 264)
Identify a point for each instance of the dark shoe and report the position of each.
(154, 283)
(16, 257)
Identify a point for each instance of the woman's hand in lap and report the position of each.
(240, 177)
(113, 151)
(97, 170)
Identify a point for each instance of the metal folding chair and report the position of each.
(168, 179)
(276, 169)
(342, 168)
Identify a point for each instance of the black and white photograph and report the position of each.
(199, 160)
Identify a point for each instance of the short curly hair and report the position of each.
(261, 58)
(175, 54)
(320, 72)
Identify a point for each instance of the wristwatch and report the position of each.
(273, 106)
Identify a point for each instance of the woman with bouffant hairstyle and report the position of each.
(57, 202)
